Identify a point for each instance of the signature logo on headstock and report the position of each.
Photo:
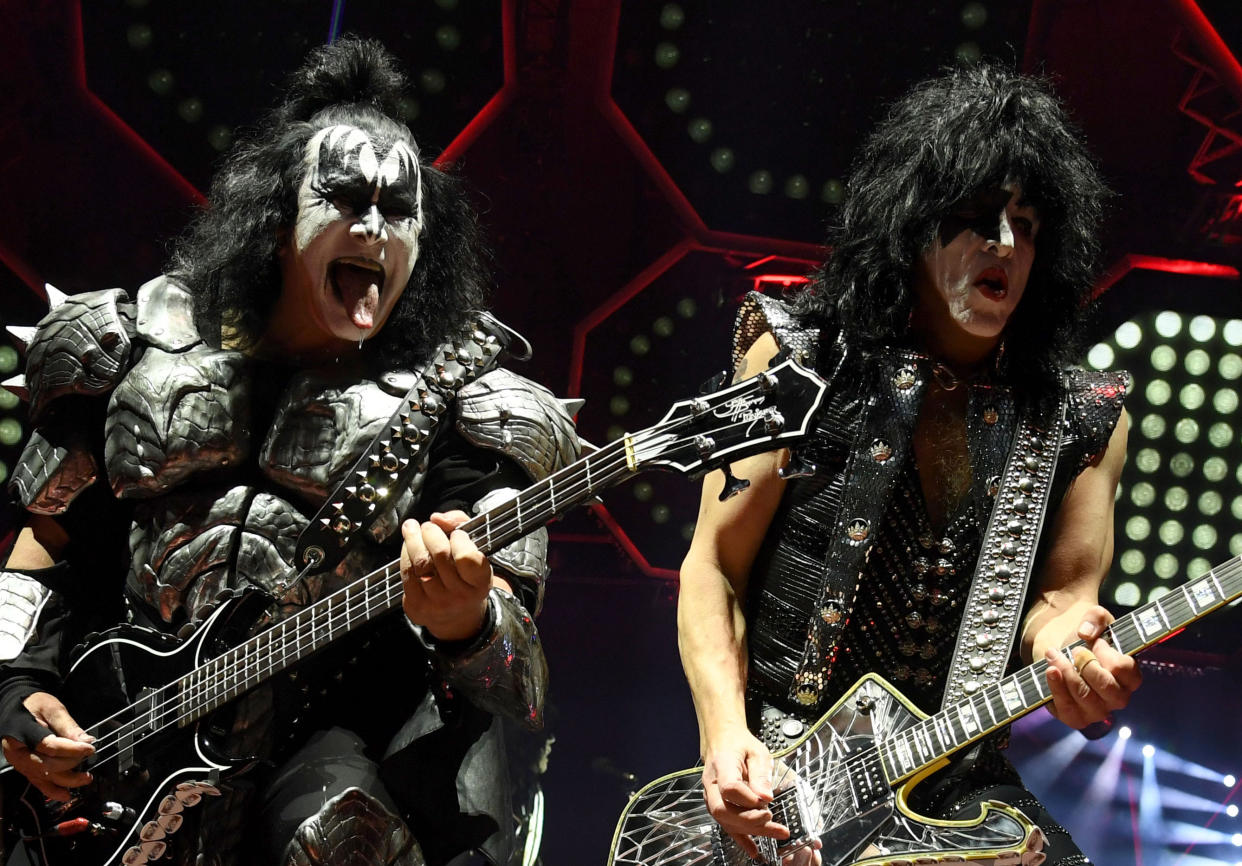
(743, 408)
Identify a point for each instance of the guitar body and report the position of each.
(829, 786)
(147, 774)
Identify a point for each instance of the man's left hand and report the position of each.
(1097, 682)
(446, 577)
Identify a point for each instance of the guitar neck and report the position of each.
(273, 650)
(996, 705)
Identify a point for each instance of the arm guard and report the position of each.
(503, 671)
(21, 599)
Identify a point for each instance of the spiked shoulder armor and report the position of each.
(82, 347)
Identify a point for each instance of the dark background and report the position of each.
(640, 166)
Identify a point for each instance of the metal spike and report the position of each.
(572, 405)
(17, 384)
(22, 334)
(55, 297)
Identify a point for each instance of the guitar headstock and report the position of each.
(774, 409)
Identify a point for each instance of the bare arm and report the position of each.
(1067, 608)
(711, 634)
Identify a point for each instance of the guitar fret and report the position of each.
(943, 732)
(1149, 624)
(996, 704)
(1220, 590)
(1011, 697)
(987, 705)
(922, 738)
(903, 754)
(970, 724)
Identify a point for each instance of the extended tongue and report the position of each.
(359, 294)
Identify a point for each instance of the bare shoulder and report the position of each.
(757, 358)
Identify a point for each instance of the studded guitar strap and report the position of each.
(1003, 572)
(399, 452)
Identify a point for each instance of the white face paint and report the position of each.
(969, 281)
(354, 242)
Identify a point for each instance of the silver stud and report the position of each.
(792, 728)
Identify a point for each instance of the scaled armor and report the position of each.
(225, 465)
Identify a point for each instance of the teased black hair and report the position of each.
(950, 137)
(227, 257)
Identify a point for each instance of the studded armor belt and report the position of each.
(400, 451)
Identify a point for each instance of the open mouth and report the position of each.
(993, 282)
(357, 283)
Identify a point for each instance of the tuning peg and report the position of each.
(733, 485)
(797, 467)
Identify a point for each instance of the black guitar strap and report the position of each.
(399, 452)
(994, 603)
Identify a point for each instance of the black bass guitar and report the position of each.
(149, 696)
(846, 779)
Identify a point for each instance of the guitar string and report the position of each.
(159, 712)
(874, 757)
(332, 604)
(614, 466)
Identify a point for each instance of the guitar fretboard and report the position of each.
(994, 706)
(272, 651)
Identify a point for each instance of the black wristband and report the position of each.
(15, 720)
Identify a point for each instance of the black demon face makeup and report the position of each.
(355, 239)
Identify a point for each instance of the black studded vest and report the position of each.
(851, 579)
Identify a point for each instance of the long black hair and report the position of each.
(947, 139)
(227, 257)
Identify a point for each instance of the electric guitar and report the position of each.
(150, 696)
(846, 779)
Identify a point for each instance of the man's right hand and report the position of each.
(50, 766)
(737, 785)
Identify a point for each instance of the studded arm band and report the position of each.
(503, 671)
